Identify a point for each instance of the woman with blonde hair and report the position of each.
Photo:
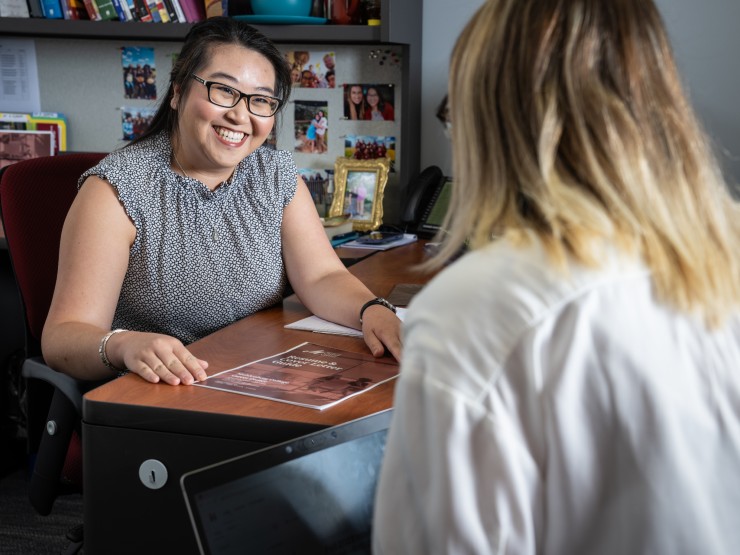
(572, 384)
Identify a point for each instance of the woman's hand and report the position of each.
(382, 330)
(156, 357)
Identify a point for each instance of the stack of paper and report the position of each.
(404, 239)
(319, 325)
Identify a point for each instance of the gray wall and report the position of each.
(707, 47)
(442, 22)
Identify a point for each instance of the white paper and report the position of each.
(19, 76)
(319, 325)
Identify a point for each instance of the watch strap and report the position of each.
(377, 300)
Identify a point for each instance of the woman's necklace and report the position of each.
(179, 165)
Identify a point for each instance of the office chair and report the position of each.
(35, 196)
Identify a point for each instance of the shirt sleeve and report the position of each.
(288, 175)
(458, 474)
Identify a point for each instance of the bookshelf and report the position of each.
(400, 23)
(60, 28)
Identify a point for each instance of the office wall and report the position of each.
(442, 22)
(706, 43)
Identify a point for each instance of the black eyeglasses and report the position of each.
(443, 112)
(227, 96)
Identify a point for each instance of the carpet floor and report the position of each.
(25, 532)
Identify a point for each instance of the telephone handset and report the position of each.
(426, 202)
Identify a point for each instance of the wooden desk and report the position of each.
(128, 421)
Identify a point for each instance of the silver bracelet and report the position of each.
(102, 353)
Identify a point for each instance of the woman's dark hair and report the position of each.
(216, 31)
(381, 98)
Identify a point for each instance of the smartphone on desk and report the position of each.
(380, 237)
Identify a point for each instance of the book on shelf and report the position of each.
(34, 8)
(153, 11)
(14, 8)
(12, 120)
(52, 9)
(24, 144)
(74, 9)
(92, 10)
(54, 122)
(158, 11)
(120, 11)
(106, 10)
(142, 11)
(171, 12)
(51, 122)
(195, 10)
(178, 10)
(308, 375)
(131, 9)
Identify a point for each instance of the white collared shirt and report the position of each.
(541, 414)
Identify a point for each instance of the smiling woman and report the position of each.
(195, 225)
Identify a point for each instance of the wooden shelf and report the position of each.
(61, 28)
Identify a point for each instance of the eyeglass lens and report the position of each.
(227, 97)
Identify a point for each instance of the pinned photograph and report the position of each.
(134, 121)
(312, 70)
(318, 183)
(366, 147)
(369, 102)
(311, 125)
(139, 73)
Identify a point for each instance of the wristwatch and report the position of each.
(377, 300)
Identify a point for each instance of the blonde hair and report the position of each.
(569, 122)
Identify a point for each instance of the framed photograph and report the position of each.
(358, 191)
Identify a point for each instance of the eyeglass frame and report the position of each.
(443, 112)
(208, 85)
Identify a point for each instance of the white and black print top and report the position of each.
(201, 259)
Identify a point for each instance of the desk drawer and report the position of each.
(124, 516)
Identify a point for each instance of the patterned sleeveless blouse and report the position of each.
(201, 259)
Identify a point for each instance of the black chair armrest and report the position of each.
(73, 389)
(62, 419)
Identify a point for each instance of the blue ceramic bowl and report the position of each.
(295, 8)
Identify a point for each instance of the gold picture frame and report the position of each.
(358, 190)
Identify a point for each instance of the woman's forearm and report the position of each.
(73, 348)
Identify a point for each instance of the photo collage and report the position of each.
(324, 119)
(318, 114)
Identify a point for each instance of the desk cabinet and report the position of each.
(148, 520)
(122, 515)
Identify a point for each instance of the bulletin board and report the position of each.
(84, 80)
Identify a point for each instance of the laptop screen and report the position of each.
(313, 494)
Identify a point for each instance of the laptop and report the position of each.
(313, 494)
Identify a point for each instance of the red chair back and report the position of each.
(35, 196)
